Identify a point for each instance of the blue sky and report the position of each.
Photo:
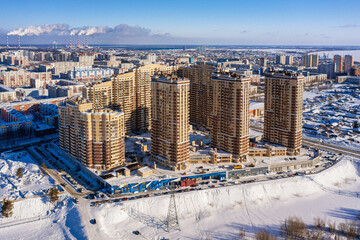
(291, 22)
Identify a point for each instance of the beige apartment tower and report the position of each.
(200, 93)
(170, 121)
(99, 93)
(230, 114)
(142, 88)
(102, 139)
(284, 109)
(123, 98)
(129, 93)
(94, 137)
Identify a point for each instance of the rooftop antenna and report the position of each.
(7, 41)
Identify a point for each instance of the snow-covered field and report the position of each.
(34, 217)
(207, 214)
(34, 181)
(37, 219)
(220, 213)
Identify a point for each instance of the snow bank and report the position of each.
(37, 219)
(33, 182)
(210, 212)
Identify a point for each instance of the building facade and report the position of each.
(99, 93)
(130, 93)
(170, 121)
(124, 98)
(310, 60)
(230, 114)
(283, 109)
(102, 138)
(338, 61)
(200, 93)
(348, 63)
(94, 137)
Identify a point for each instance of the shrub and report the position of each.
(7, 208)
(20, 172)
(319, 223)
(294, 228)
(241, 233)
(332, 227)
(53, 195)
(264, 235)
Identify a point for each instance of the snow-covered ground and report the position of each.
(220, 213)
(34, 181)
(38, 219)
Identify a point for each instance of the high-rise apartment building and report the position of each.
(129, 93)
(99, 93)
(280, 59)
(348, 63)
(230, 114)
(283, 109)
(200, 93)
(328, 69)
(123, 98)
(310, 60)
(102, 138)
(338, 61)
(263, 62)
(289, 60)
(142, 112)
(94, 137)
(170, 121)
(70, 125)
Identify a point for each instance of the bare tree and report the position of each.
(242, 234)
(319, 223)
(264, 235)
(294, 228)
(332, 227)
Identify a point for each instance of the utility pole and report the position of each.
(172, 217)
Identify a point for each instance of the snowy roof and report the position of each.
(256, 105)
(144, 170)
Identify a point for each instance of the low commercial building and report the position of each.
(267, 151)
(212, 156)
(293, 165)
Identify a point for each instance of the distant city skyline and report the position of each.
(259, 22)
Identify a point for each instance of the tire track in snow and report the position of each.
(246, 208)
